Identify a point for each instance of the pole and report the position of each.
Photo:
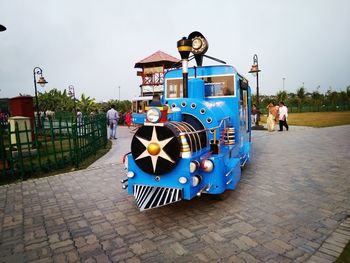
(283, 82)
(71, 91)
(119, 92)
(257, 90)
(37, 70)
(185, 77)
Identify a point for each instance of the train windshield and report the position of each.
(215, 86)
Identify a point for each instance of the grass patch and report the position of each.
(345, 255)
(317, 119)
(68, 168)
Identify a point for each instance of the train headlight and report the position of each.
(182, 180)
(153, 115)
(199, 43)
(130, 174)
(208, 166)
(196, 180)
(196, 43)
(194, 166)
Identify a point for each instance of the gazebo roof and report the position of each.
(158, 58)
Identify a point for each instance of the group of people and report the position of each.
(3, 116)
(277, 113)
(112, 121)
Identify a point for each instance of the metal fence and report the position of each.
(49, 144)
(313, 108)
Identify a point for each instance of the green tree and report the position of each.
(55, 100)
(86, 104)
(281, 96)
(300, 97)
(316, 99)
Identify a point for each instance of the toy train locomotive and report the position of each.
(196, 138)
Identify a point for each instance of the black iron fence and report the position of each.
(28, 147)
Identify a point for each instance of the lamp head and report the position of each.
(255, 69)
(42, 81)
(2, 28)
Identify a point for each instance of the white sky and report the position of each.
(94, 44)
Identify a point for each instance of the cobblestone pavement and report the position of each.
(293, 195)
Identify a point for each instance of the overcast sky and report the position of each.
(94, 44)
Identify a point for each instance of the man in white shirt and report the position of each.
(112, 118)
(282, 116)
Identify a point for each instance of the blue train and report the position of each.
(194, 139)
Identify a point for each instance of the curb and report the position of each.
(333, 246)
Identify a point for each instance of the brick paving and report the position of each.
(288, 207)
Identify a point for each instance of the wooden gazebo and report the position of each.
(153, 69)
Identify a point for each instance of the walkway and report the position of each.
(292, 197)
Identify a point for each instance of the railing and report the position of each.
(313, 108)
(223, 121)
(56, 144)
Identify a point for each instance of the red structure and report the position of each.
(153, 69)
(22, 106)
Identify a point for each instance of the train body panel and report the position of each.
(194, 140)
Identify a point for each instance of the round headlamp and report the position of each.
(196, 43)
(153, 115)
(199, 45)
(182, 180)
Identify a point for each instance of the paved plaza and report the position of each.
(293, 195)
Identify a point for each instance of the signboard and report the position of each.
(153, 70)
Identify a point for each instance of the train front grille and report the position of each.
(148, 197)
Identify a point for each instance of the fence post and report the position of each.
(29, 147)
(19, 150)
(75, 143)
(53, 142)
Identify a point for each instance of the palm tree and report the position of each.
(282, 95)
(86, 104)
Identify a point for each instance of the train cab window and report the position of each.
(215, 86)
(174, 88)
(219, 86)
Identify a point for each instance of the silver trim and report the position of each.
(207, 129)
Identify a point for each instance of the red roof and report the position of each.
(158, 58)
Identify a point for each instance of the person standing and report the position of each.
(79, 116)
(282, 116)
(272, 113)
(255, 115)
(112, 118)
(128, 118)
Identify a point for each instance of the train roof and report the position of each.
(202, 71)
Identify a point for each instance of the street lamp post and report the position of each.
(255, 71)
(42, 82)
(71, 93)
(283, 82)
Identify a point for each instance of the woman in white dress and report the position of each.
(272, 113)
